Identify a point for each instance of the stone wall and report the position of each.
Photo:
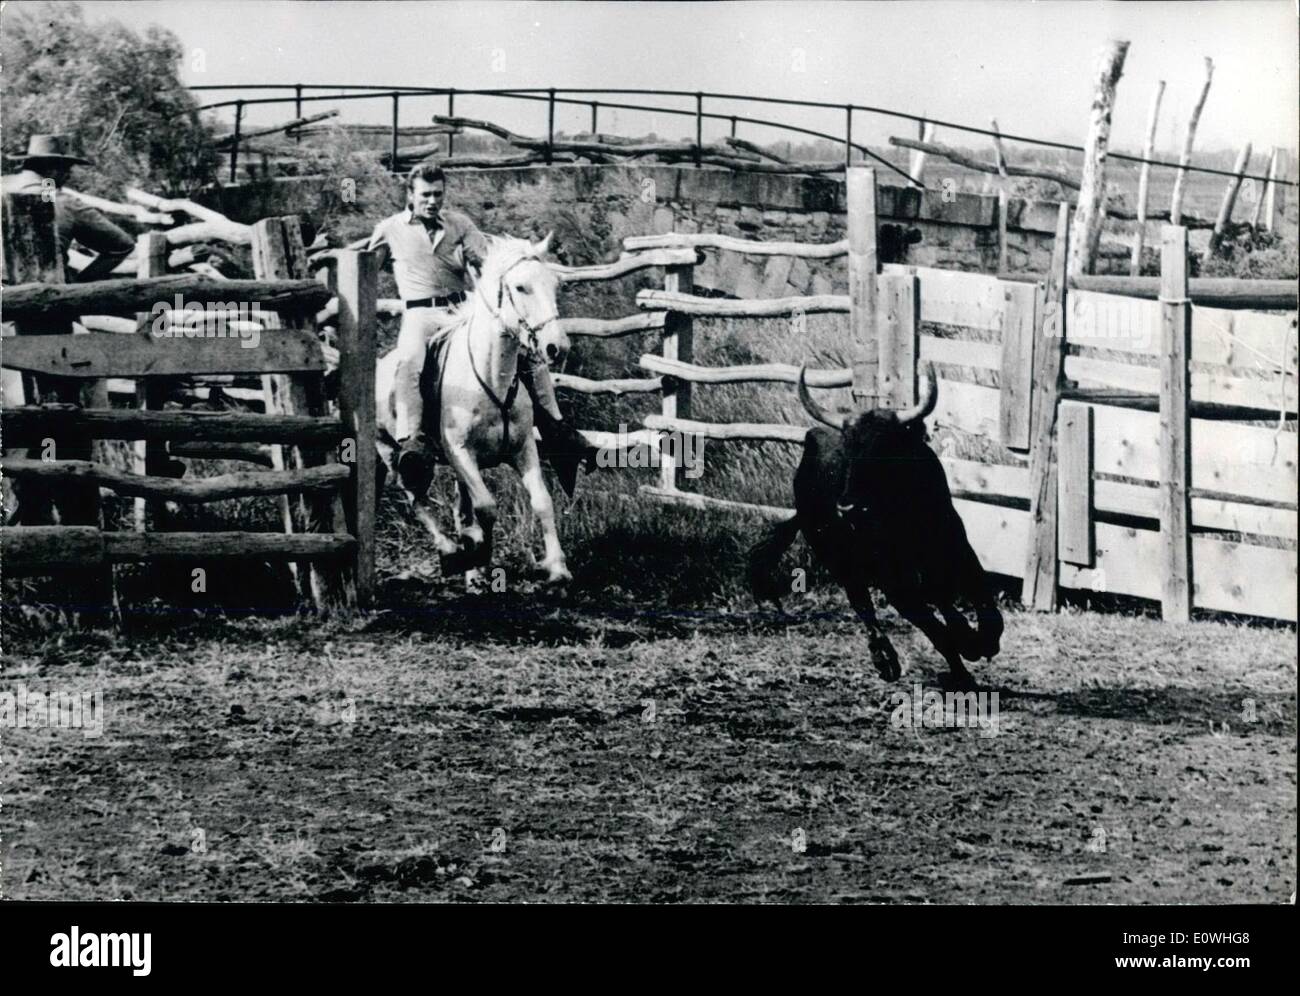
(592, 208)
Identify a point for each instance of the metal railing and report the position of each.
(552, 97)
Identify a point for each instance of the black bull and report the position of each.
(873, 503)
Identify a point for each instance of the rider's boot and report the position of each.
(563, 446)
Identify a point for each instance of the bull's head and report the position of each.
(872, 439)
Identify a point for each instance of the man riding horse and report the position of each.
(432, 249)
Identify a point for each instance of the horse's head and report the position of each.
(523, 288)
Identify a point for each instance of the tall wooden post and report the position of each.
(32, 255)
(1144, 181)
(1180, 179)
(678, 344)
(1003, 197)
(1041, 564)
(150, 392)
(1091, 212)
(898, 319)
(860, 191)
(1224, 218)
(1262, 196)
(1175, 427)
(357, 280)
(1275, 197)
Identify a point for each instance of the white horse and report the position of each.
(484, 418)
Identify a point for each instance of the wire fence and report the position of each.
(554, 96)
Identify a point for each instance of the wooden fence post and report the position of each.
(357, 279)
(678, 344)
(1175, 426)
(1041, 566)
(150, 392)
(1275, 199)
(32, 255)
(279, 254)
(860, 192)
(1020, 329)
(1224, 218)
(1091, 212)
(898, 320)
(1180, 178)
(1077, 537)
(1144, 181)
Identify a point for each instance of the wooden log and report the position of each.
(628, 264)
(1217, 292)
(1262, 196)
(207, 231)
(602, 148)
(1224, 217)
(651, 321)
(1180, 178)
(704, 503)
(970, 162)
(218, 488)
(226, 546)
(776, 307)
(32, 252)
(784, 373)
(41, 549)
(149, 456)
(1019, 328)
(246, 452)
(1075, 497)
(678, 346)
(1041, 563)
(1144, 180)
(898, 321)
(27, 425)
(46, 302)
(769, 432)
(864, 265)
(1090, 214)
(225, 141)
(622, 440)
(713, 240)
(138, 214)
(1175, 428)
(105, 354)
(357, 277)
(755, 148)
(615, 386)
(1275, 193)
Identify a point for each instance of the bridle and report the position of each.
(528, 346)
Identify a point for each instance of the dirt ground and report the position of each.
(528, 746)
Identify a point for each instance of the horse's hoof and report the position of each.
(475, 583)
(559, 577)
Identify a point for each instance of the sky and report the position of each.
(1029, 64)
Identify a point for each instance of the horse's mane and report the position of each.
(503, 252)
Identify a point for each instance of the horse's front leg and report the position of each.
(477, 534)
(528, 466)
(421, 507)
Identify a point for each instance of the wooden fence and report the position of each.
(1122, 461)
(325, 461)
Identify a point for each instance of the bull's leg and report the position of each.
(883, 654)
(967, 639)
(944, 639)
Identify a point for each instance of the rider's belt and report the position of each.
(435, 302)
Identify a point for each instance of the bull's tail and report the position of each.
(763, 557)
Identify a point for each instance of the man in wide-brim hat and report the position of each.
(45, 169)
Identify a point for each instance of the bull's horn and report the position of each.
(929, 399)
(814, 409)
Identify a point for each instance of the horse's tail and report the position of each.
(763, 556)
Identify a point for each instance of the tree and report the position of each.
(117, 93)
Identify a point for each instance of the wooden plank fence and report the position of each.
(329, 466)
(1118, 417)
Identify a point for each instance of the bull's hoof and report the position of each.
(885, 657)
(462, 561)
